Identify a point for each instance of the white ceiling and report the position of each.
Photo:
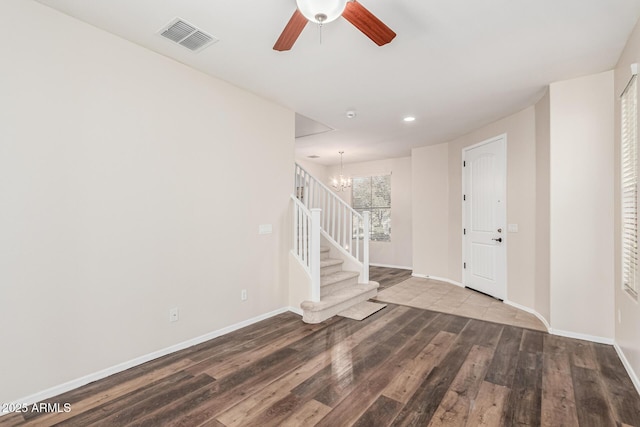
(455, 64)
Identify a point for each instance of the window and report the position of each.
(629, 191)
(373, 194)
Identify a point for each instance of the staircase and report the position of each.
(339, 290)
(339, 270)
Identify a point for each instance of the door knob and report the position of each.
(499, 239)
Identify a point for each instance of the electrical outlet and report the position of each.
(243, 295)
(174, 315)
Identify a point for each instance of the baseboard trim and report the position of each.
(568, 334)
(295, 310)
(439, 279)
(584, 337)
(531, 311)
(401, 267)
(79, 382)
(627, 366)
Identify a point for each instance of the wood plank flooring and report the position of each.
(401, 366)
(388, 277)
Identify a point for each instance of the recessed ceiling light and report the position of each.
(351, 114)
(409, 119)
(313, 156)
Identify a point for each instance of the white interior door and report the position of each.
(484, 217)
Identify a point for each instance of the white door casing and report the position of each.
(484, 243)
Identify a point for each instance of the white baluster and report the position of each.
(301, 222)
(315, 194)
(357, 240)
(295, 228)
(365, 248)
(344, 226)
(351, 233)
(333, 217)
(305, 239)
(339, 221)
(325, 209)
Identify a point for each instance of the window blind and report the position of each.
(629, 182)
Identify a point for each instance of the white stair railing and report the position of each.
(306, 243)
(348, 229)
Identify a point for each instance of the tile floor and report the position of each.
(446, 298)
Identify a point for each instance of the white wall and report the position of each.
(581, 205)
(398, 252)
(627, 329)
(430, 177)
(129, 186)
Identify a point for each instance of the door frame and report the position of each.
(505, 241)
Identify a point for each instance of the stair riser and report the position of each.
(327, 289)
(330, 269)
(324, 255)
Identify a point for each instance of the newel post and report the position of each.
(314, 252)
(365, 248)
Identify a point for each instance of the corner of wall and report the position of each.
(299, 283)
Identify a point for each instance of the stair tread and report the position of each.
(324, 249)
(338, 276)
(339, 296)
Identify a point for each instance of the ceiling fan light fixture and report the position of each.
(321, 11)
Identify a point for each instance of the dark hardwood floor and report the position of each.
(388, 277)
(401, 366)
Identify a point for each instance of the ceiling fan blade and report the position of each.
(366, 22)
(291, 32)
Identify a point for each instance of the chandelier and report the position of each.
(341, 182)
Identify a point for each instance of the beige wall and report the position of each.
(627, 331)
(520, 131)
(542, 303)
(437, 199)
(581, 205)
(430, 177)
(129, 186)
(397, 252)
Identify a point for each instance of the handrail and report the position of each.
(301, 205)
(324, 187)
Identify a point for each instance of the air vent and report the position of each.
(187, 35)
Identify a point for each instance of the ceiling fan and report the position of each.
(324, 11)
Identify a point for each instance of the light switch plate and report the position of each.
(513, 228)
(265, 229)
